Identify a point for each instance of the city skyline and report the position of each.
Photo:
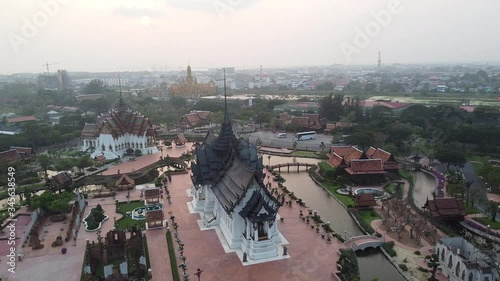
(108, 36)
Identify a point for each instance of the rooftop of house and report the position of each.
(19, 119)
(446, 207)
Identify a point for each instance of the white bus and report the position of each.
(305, 136)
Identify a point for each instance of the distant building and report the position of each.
(81, 98)
(118, 131)
(21, 119)
(459, 260)
(190, 88)
(332, 126)
(53, 117)
(55, 81)
(194, 119)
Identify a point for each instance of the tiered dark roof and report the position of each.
(255, 204)
(230, 167)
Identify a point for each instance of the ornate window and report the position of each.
(471, 277)
(450, 263)
(442, 255)
(463, 274)
(457, 269)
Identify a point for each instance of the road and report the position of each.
(271, 139)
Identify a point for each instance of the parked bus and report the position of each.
(305, 136)
(282, 135)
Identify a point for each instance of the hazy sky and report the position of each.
(118, 35)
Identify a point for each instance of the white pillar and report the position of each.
(256, 233)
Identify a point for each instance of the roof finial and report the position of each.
(121, 104)
(226, 114)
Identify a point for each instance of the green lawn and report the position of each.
(345, 199)
(125, 221)
(487, 221)
(369, 216)
(309, 154)
(469, 210)
(391, 188)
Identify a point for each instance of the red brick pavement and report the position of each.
(311, 258)
(145, 160)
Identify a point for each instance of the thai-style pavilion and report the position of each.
(124, 183)
(362, 167)
(117, 131)
(230, 195)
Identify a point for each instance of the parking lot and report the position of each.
(271, 139)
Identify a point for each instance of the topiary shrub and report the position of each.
(403, 267)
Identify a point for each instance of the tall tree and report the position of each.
(451, 157)
(95, 86)
(44, 162)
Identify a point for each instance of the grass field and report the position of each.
(369, 216)
(126, 222)
(345, 199)
(309, 154)
(487, 221)
(391, 188)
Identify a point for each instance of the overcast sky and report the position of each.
(119, 35)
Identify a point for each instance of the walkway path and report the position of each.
(145, 160)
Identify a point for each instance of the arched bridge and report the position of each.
(288, 165)
(363, 242)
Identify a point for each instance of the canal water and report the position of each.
(372, 263)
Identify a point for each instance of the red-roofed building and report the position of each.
(9, 156)
(332, 126)
(27, 153)
(364, 201)
(193, 119)
(21, 119)
(116, 131)
(367, 167)
(450, 208)
(308, 121)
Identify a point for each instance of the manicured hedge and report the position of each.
(173, 258)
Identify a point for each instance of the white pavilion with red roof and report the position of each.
(117, 131)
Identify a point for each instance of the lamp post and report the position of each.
(385, 233)
(269, 159)
(345, 235)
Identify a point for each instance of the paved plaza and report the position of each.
(138, 163)
(310, 257)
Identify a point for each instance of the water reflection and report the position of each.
(372, 263)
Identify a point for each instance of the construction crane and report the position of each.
(47, 66)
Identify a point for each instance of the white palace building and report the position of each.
(117, 131)
(231, 197)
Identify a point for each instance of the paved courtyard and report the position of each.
(140, 162)
(311, 258)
